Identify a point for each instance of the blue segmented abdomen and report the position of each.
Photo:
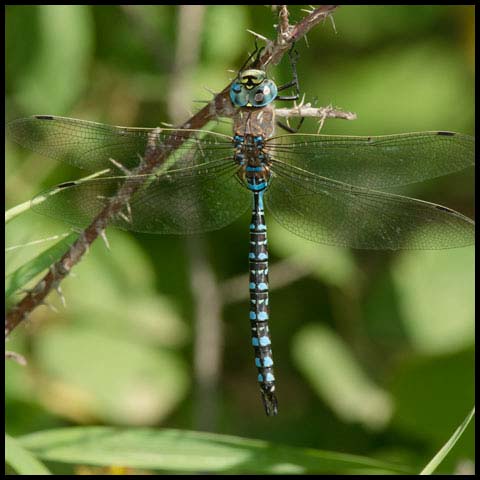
(259, 311)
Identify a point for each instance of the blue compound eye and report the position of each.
(238, 94)
(263, 94)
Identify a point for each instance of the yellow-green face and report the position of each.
(253, 89)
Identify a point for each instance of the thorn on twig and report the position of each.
(321, 122)
(105, 239)
(122, 215)
(306, 41)
(58, 289)
(52, 307)
(129, 211)
(141, 160)
(283, 21)
(16, 357)
(124, 169)
(261, 37)
(127, 216)
(209, 90)
(302, 101)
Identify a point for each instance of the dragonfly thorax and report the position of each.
(254, 161)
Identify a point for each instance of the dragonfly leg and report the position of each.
(293, 55)
(256, 53)
(291, 83)
(290, 129)
(288, 98)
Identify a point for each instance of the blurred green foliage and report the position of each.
(373, 350)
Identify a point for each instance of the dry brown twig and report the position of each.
(219, 106)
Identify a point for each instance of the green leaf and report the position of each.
(13, 212)
(229, 23)
(126, 300)
(436, 291)
(89, 373)
(338, 378)
(20, 277)
(189, 451)
(21, 460)
(443, 452)
(430, 394)
(58, 72)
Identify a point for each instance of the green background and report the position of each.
(373, 350)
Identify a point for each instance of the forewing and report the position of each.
(376, 162)
(91, 145)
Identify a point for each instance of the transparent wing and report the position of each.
(378, 162)
(191, 200)
(90, 145)
(335, 213)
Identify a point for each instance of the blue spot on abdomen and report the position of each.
(267, 362)
(264, 341)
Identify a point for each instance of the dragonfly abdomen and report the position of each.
(259, 310)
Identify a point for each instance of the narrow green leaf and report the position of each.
(13, 212)
(188, 451)
(443, 452)
(20, 277)
(21, 460)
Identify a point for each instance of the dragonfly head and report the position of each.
(252, 88)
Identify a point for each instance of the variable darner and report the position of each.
(323, 188)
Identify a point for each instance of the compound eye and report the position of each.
(236, 88)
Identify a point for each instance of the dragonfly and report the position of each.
(327, 189)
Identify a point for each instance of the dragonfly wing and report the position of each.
(376, 162)
(192, 200)
(335, 213)
(91, 145)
